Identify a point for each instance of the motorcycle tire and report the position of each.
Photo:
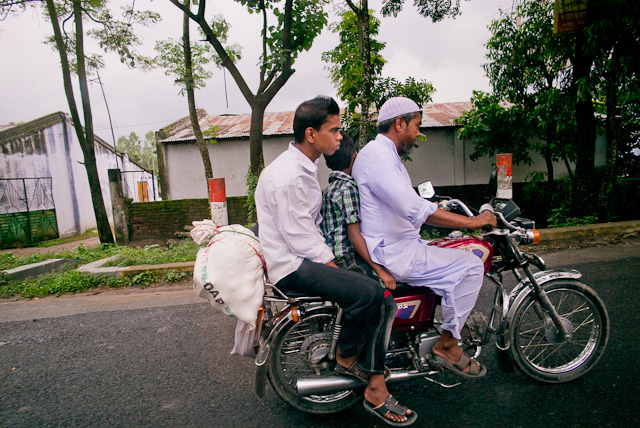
(543, 354)
(291, 357)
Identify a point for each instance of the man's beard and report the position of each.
(405, 148)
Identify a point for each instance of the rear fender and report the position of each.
(267, 337)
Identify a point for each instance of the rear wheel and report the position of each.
(536, 345)
(301, 350)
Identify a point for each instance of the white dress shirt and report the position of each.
(392, 212)
(288, 199)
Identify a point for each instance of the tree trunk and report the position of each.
(612, 135)
(364, 45)
(191, 99)
(583, 200)
(86, 140)
(255, 135)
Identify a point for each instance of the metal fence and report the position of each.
(27, 211)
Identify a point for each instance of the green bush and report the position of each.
(70, 281)
(172, 276)
(85, 255)
(143, 279)
(559, 217)
(154, 255)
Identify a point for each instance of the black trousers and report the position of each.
(362, 300)
(353, 262)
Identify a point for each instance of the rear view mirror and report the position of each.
(492, 187)
(426, 190)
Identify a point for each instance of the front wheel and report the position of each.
(537, 347)
(300, 350)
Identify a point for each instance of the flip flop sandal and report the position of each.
(475, 368)
(391, 405)
(355, 372)
(352, 371)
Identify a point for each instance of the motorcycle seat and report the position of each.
(404, 289)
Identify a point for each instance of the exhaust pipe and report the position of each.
(322, 385)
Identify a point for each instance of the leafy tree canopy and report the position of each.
(142, 152)
(346, 70)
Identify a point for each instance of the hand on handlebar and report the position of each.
(486, 220)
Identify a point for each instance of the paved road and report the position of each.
(160, 358)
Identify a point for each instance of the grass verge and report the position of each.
(71, 281)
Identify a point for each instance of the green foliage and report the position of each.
(112, 33)
(437, 10)
(250, 202)
(85, 255)
(4, 279)
(172, 276)
(171, 58)
(142, 152)
(347, 71)
(58, 283)
(145, 278)
(72, 281)
(154, 255)
(497, 127)
(559, 217)
(531, 107)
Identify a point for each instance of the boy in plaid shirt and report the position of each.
(341, 216)
(341, 224)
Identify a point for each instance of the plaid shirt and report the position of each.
(340, 207)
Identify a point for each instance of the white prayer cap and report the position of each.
(395, 107)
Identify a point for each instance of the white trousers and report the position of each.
(455, 275)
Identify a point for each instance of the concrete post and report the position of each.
(218, 200)
(121, 220)
(505, 176)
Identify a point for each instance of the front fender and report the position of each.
(522, 290)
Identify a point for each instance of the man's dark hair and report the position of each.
(313, 113)
(341, 159)
(383, 127)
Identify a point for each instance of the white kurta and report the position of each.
(288, 199)
(392, 213)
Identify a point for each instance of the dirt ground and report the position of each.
(66, 246)
(88, 242)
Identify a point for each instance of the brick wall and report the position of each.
(161, 219)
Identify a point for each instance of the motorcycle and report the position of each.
(551, 326)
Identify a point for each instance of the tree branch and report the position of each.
(220, 50)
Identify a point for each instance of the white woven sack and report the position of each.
(229, 270)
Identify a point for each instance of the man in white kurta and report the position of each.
(392, 213)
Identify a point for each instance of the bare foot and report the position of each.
(345, 362)
(377, 392)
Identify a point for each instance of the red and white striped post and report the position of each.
(505, 178)
(218, 201)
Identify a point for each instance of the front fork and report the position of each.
(543, 303)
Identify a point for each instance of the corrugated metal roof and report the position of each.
(3, 127)
(237, 126)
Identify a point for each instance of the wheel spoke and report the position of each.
(537, 343)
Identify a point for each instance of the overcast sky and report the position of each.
(449, 54)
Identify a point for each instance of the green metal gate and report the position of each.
(27, 211)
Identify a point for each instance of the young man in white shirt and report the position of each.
(288, 199)
(392, 213)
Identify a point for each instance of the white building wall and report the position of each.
(229, 160)
(442, 158)
(48, 153)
